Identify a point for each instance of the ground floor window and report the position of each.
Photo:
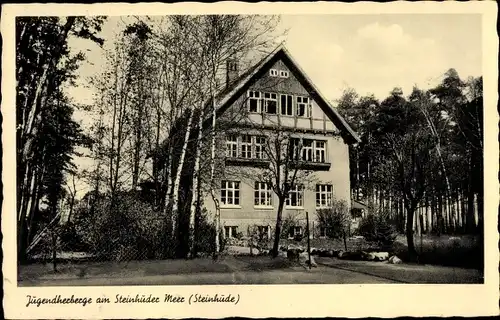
(295, 196)
(264, 232)
(230, 193)
(324, 195)
(263, 194)
(295, 231)
(230, 231)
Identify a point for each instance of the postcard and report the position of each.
(250, 159)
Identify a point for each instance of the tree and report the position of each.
(198, 49)
(44, 64)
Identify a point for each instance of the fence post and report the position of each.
(308, 240)
(54, 250)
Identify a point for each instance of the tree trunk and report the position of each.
(277, 231)
(194, 198)
(410, 212)
(178, 175)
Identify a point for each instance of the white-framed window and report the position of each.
(295, 148)
(270, 102)
(284, 74)
(260, 145)
(254, 101)
(295, 196)
(286, 104)
(273, 73)
(324, 195)
(230, 231)
(246, 146)
(232, 146)
(230, 193)
(319, 151)
(307, 149)
(302, 106)
(263, 194)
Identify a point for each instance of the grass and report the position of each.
(463, 251)
(153, 267)
(452, 251)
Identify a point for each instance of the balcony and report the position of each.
(311, 165)
(248, 162)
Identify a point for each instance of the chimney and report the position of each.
(231, 71)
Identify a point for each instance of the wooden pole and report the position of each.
(308, 240)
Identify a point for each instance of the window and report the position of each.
(284, 74)
(230, 193)
(246, 146)
(307, 150)
(286, 103)
(264, 232)
(273, 73)
(263, 194)
(230, 231)
(320, 151)
(322, 232)
(294, 231)
(270, 103)
(260, 143)
(303, 106)
(324, 195)
(295, 196)
(254, 101)
(232, 146)
(295, 148)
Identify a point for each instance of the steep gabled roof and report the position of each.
(229, 95)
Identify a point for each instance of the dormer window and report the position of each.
(273, 73)
(284, 74)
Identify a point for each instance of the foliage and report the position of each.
(423, 150)
(377, 228)
(205, 234)
(45, 131)
(288, 222)
(335, 220)
(127, 230)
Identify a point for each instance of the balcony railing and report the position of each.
(311, 165)
(250, 162)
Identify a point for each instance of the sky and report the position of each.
(369, 53)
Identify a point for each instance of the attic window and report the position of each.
(254, 101)
(273, 73)
(303, 106)
(284, 74)
(270, 103)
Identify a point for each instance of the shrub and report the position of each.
(377, 228)
(335, 220)
(257, 239)
(286, 224)
(205, 234)
(130, 230)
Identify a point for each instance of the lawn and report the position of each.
(463, 251)
(238, 270)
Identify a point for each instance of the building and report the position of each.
(276, 94)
